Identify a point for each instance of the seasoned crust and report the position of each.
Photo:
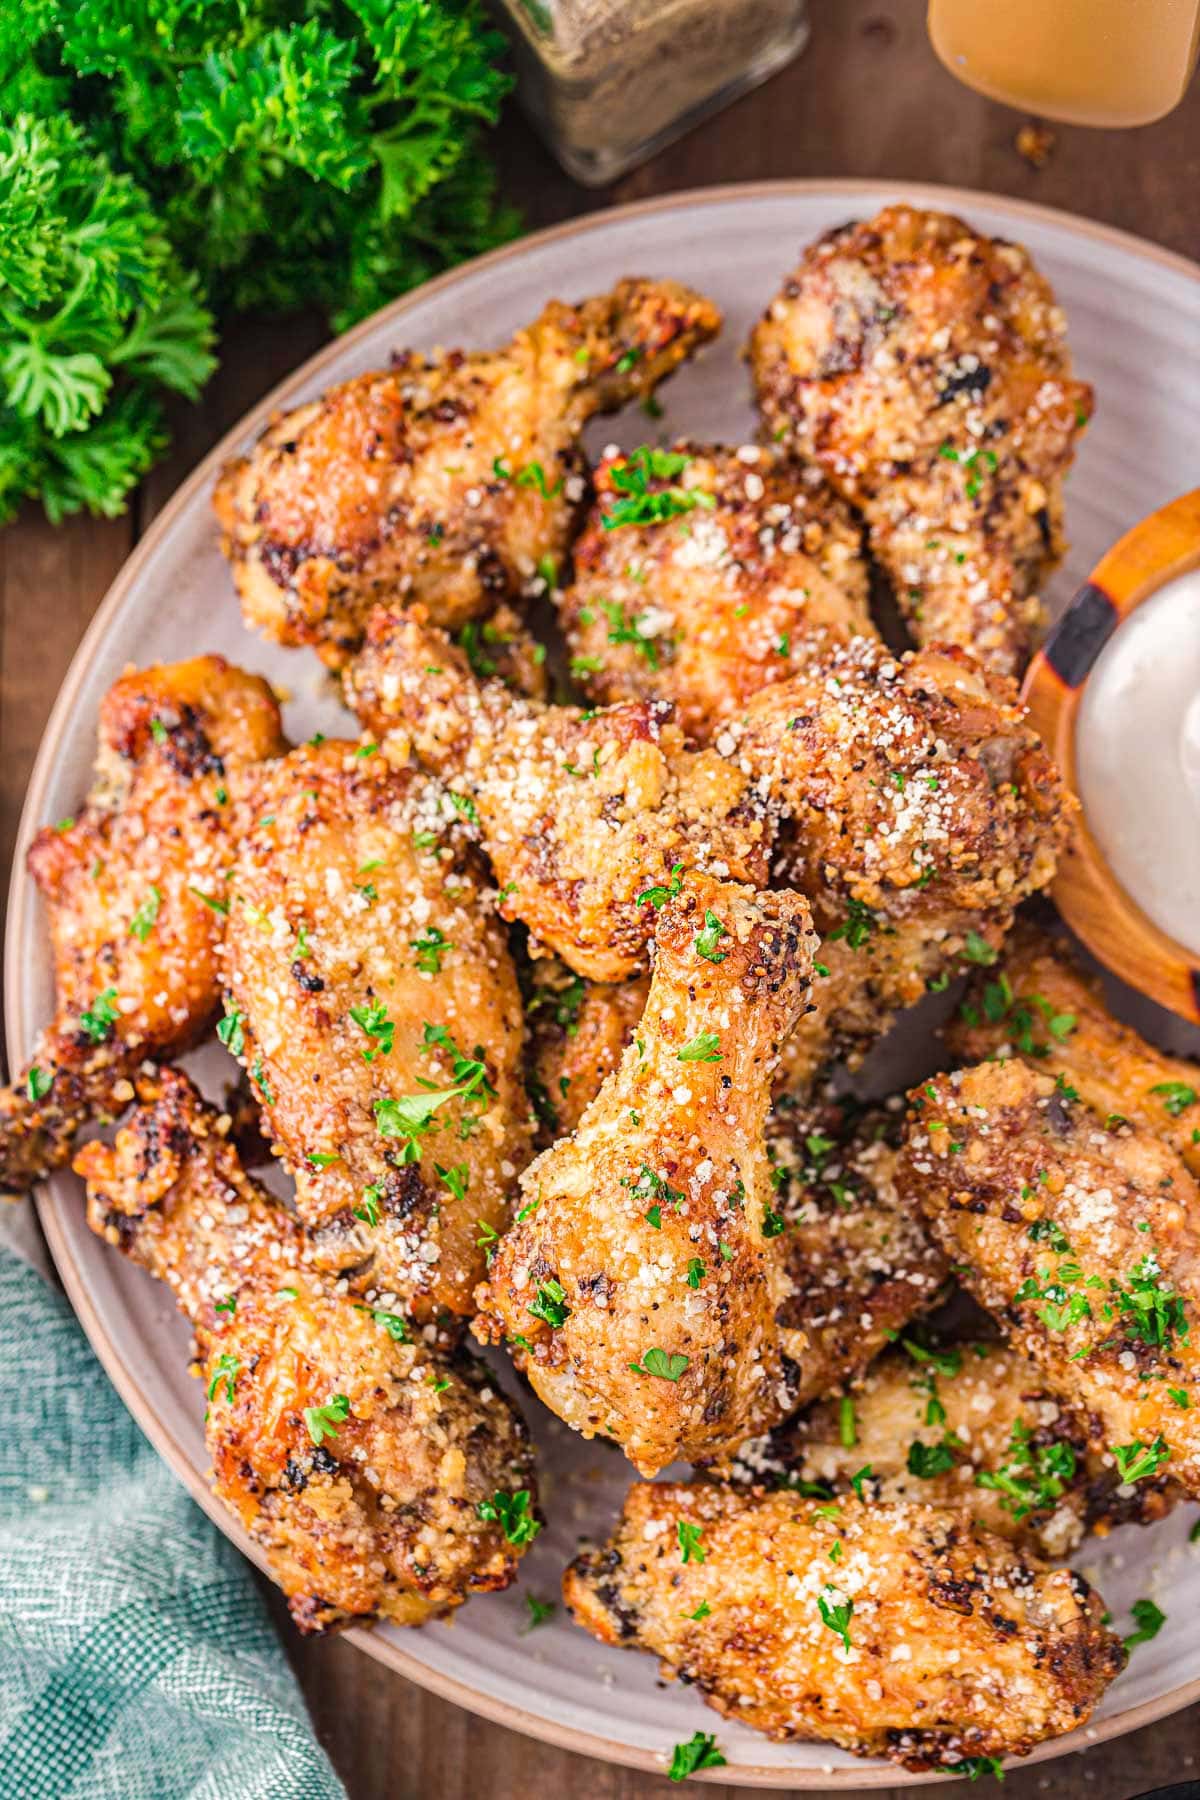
(1008, 1010)
(367, 1507)
(991, 1439)
(924, 369)
(131, 887)
(365, 969)
(705, 606)
(579, 813)
(446, 480)
(1079, 1235)
(641, 1282)
(961, 1645)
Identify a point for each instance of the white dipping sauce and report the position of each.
(1137, 750)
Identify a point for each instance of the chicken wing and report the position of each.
(924, 369)
(893, 1630)
(581, 814)
(860, 1262)
(452, 480)
(372, 997)
(134, 887)
(1038, 1003)
(698, 573)
(918, 809)
(971, 1425)
(1080, 1235)
(381, 1479)
(641, 1282)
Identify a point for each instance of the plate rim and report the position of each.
(20, 904)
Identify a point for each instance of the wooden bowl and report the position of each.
(1087, 893)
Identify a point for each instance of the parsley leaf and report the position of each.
(700, 1752)
(658, 1362)
(513, 1515)
(323, 1421)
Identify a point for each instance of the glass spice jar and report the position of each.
(609, 82)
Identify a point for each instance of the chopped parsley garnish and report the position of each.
(231, 1030)
(431, 948)
(690, 1547)
(100, 1016)
(978, 950)
(158, 731)
(456, 1178)
(703, 1611)
(1137, 1461)
(38, 1082)
(857, 927)
(1149, 1620)
(1151, 1310)
(976, 1767)
(512, 1513)
(394, 1323)
(928, 1460)
(539, 1611)
(533, 475)
(550, 1304)
(259, 1075)
(772, 1223)
(464, 806)
(368, 1209)
(1034, 1476)
(647, 1182)
(372, 1019)
(322, 1159)
(847, 1423)
(944, 1362)
(565, 1003)
(638, 505)
(658, 1362)
(706, 941)
(700, 1752)
(658, 895)
(1048, 1231)
(836, 1612)
(859, 1480)
(1177, 1096)
(225, 1374)
(323, 1421)
(142, 922)
(695, 1272)
(622, 631)
(705, 1047)
(211, 901)
(227, 1305)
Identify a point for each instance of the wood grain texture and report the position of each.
(867, 99)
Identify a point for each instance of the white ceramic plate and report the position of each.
(1135, 327)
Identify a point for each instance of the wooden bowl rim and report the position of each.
(1094, 903)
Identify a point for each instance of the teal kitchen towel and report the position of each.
(137, 1658)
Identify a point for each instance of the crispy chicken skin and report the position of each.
(860, 1262)
(1080, 1236)
(445, 480)
(991, 1438)
(918, 809)
(959, 1644)
(642, 1279)
(376, 1007)
(124, 883)
(1009, 1010)
(924, 369)
(577, 1032)
(579, 814)
(356, 1457)
(702, 604)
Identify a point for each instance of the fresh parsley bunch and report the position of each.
(162, 161)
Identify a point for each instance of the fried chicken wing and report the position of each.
(968, 1425)
(134, 886)
(382, 1479)
(894, 1630)
(1080, 1235)
(918, 809)
(372, 997)
(580, 813)
(698, 572)
(924, 369)
(642, 1279)
(860, 1262)
(448, 479)
(1038, 1003)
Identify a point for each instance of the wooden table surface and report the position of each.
(868, 98)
